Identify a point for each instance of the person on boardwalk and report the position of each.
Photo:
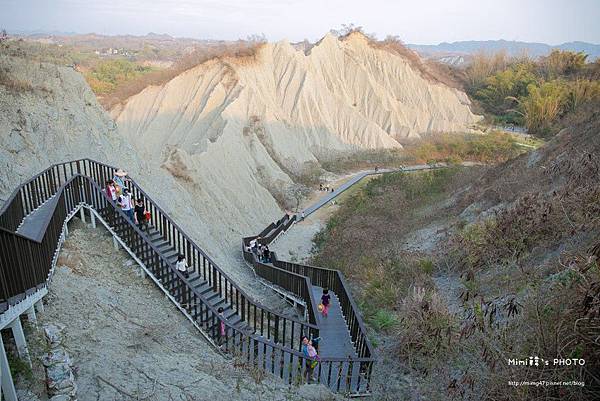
(110, 190)
(119, 180)
(140, 215)
(312, 358)
(315, 343)
(302, 216)
(266, 254)
(181, 265)
(325, 300)
(126, 203)
(221, 326)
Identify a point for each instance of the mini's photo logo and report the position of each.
(538, 361)
(530, 361)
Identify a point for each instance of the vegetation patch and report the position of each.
(533, 93)
(490, 148)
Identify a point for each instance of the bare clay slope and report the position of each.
(234, 131)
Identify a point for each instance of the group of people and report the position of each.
(310, 347)
(310, 350)
(325, 187)
(262, 251)
(117, 190)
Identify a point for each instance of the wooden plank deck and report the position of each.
(34, 224)
(335, 337)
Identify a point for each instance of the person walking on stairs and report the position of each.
(140, 215)
(312, 358)
(325, 300)
(126, 203)
(222, 331)
(119, 180)
(181, 265)
(110, 190)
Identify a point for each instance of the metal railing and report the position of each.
(285, 275)
(267, 339)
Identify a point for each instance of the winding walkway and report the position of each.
(33, 225)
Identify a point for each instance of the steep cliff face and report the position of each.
(232, 130)
(48, 114)
(217, 143)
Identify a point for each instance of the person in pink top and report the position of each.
(111, 191)
(325, 300)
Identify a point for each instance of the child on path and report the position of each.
(325, 300)
(312, 358)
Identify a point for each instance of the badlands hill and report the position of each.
(235, 131)
(219, 144)
(48, 114)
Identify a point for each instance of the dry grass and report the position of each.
(13, 84)
(530, 271)
(492, 148)
(240, 52)
(429, 69)
(528, 281)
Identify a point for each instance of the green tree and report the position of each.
(560, 63)
(498, 94)
(542, 106)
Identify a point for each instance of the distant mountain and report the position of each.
(38, 32)
(512, 47)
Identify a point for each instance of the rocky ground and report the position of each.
(128, 341)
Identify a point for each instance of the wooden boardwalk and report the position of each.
(335, 337)
(34, 225)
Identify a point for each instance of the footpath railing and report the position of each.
(287, 275)
(268, 339)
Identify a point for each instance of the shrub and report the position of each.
(562, 62)
(427, 327)
(107, 75)
(497, 95)
(384, 320)
(426, 266)
(493, 147)
(13, 84)
(484, 65)
(542, 106)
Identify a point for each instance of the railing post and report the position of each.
(19, 336)
(93, 219)
(7, 385)
(31, 317)
(39, 306)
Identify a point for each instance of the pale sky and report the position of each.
(415, 21)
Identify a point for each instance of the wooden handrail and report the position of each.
(80, 182)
